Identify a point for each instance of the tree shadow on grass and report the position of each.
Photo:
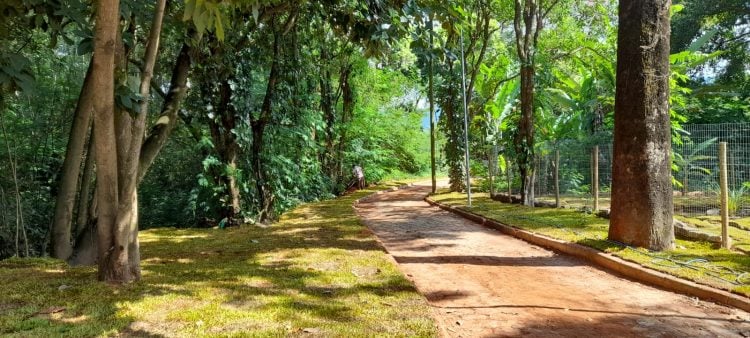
(268, 281)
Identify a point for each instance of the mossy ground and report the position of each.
(697, 261)
(317, 272)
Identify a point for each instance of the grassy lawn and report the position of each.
(712, 225)
(318, 272)
(697, 261)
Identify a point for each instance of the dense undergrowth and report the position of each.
(317, 272)
(697, 261)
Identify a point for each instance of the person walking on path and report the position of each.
(359, 175)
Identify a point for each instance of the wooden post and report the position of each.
(725, 242)
(557, 178)
(595, 176)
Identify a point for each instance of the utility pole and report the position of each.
(466, 120)
(432, 113)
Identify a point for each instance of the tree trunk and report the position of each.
(525, 137)
(527, 24)
(160, 132)
(641, 212)
(265, 196)
(492, 161)
(509, 175)
(118, 151)
(347, 111)
(556, 174)
(225, 143)
(454, 152)
(66, 195)
(264, 190)
(85, 194)
(102, 73)
(327, 106)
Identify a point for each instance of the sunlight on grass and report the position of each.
(697, 261)
(318, 271)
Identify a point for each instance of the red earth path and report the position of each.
(482, 283)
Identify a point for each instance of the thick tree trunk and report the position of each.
(103, 60)
(118, 151)
(525, 137)
(527, 24)
(66, 195)
(641, 212)
(454, 153)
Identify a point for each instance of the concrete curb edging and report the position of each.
(608, 261)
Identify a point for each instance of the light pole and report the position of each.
(466, 120)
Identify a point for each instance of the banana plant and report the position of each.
(689, 162)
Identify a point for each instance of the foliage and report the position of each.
(735, 198)
(43, 62)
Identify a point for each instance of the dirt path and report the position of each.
(482, 283)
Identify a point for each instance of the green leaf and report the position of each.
(219, 27)
(189, 9)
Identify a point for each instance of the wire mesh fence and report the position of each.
(695, 170)
(697, 157)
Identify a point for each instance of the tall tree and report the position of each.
(118, 151)
(642, 207)
(102, 74)
(528, 23)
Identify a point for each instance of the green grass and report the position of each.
(712, 225)
(317, 272)
(720, 269)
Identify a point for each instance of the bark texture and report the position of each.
(527, 23)
(258, 126)
(118, 139)
(102, 73)
(66, 195)
(641, 211)
(160, 132)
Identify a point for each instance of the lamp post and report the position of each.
(466, 121)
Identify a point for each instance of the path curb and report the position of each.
(607, 261)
